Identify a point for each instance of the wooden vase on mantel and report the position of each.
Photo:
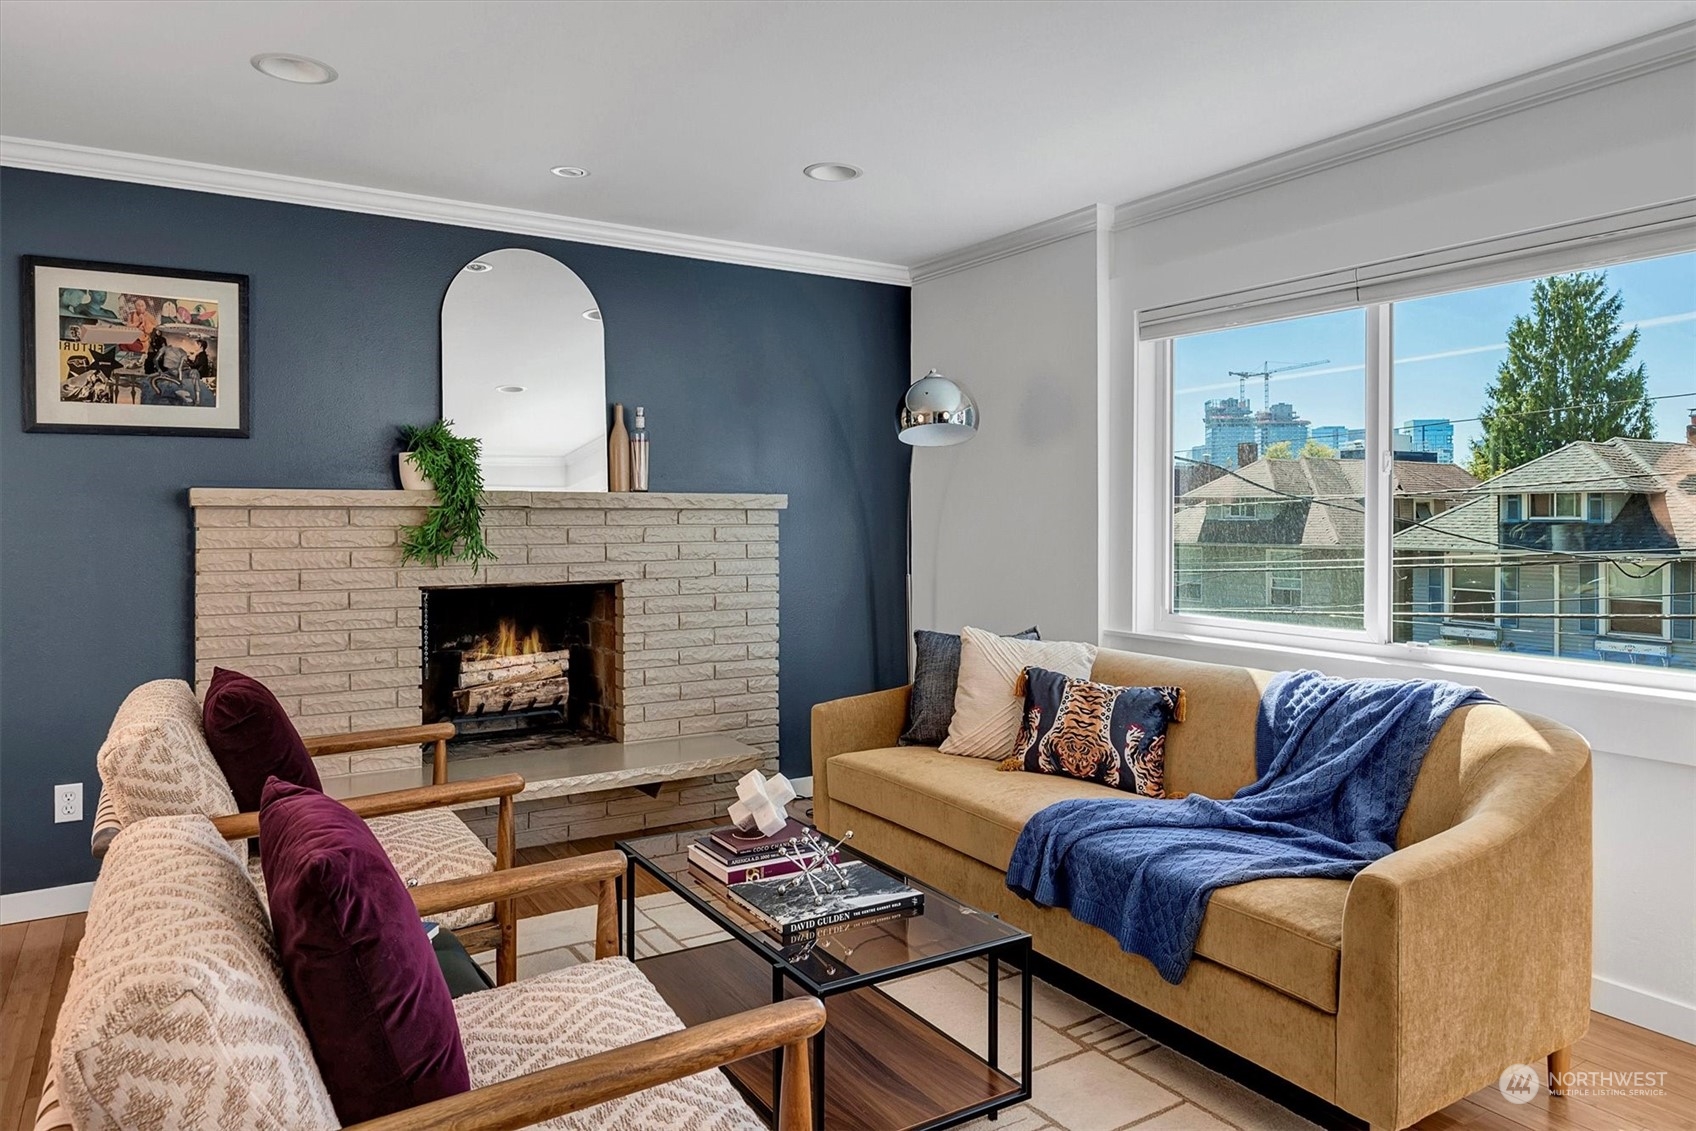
(618, 453)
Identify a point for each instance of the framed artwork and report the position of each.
(110, 348)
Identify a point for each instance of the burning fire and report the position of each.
(507, 642)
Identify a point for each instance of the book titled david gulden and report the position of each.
(798, 910)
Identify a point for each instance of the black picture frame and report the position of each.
(241, 380)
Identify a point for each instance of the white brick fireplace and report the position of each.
(306, 591)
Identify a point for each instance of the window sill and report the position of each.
(1652, 716)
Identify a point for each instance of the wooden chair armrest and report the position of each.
(240, 826)
(575, 1085)
(323, 745)
(469, 891)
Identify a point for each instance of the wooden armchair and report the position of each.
(173, 920)
(107, 824)
(578, 1084)
(155, 762)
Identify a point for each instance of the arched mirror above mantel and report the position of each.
(524, 370)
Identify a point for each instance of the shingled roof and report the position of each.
(1661, 519)
(1338, 479)
(1631, 466)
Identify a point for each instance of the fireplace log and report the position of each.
(492, 669)
(525, 695)
(511, 697)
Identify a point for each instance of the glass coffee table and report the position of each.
(877, 1064)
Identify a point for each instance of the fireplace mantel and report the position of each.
(580, 500)
(306, 591)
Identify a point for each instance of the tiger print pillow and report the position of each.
(1097, 732)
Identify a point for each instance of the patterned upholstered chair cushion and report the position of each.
(581, 1010)
(155, 761)
(427, 847)
(176, 1016)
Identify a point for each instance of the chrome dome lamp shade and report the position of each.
(937, 412)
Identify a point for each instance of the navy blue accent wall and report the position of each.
(754, 380)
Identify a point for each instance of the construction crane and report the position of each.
(1265, 374)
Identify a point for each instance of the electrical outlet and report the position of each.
(67, 802)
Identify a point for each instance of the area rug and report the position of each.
(1092, 1073)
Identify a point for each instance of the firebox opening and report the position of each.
(532, 664)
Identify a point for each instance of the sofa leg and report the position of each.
(1560, 1066)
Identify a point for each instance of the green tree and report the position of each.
(1567, 377)
(1312, 449)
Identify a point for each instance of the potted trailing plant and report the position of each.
(453, 529)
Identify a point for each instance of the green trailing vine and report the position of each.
(453, 530)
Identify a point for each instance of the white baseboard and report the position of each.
(45, 903)
(1640, 1007)
(803, 786)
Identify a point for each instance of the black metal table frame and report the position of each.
(1018, 949)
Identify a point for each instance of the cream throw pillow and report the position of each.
(986, 706)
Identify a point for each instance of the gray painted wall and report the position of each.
(754, 380)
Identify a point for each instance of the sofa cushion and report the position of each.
(965, 803)
(936, 674)
(251, 737)
(1286, 932)
(579, 1011)
(989, 702)
(1098, 732)
(155, 761)
(176, 1015)
(1213, 752)
(356, 958)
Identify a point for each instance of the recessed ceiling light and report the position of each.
(479, 266)
(831, 171)
(293, 68)
(569, 172)
(509, 388)
(593, 314)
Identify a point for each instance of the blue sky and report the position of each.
(1447, 348)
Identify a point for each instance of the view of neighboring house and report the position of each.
(1588, 552)
(1283, 539)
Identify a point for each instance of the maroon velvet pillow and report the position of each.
(252, 738)
(356, 959)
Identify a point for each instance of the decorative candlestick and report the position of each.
(618, 453)
(639, 452)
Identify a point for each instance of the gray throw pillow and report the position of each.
(936, 671)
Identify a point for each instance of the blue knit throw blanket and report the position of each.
(1337, 760)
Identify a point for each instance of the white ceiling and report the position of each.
(970, 118)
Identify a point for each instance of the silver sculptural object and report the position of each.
(811, 854)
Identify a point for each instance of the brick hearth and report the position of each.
(305, 590)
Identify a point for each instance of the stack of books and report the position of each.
(792, 909)
(731, 856)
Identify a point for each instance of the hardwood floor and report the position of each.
(35, 965)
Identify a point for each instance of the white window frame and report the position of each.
(1285, 562)
(1147, 591)
(1606, 621)
(1494, 617)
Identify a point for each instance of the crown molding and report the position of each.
(1632, 59)
(1071, 224)
(112, 165)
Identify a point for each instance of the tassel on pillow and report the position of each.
(1021, 683)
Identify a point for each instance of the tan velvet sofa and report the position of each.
(1462, 952)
